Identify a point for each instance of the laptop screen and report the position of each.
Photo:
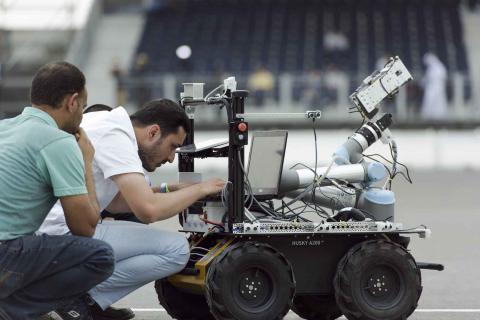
(266, 161)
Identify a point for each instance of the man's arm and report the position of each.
(80, 216)
(88, 159)
(82, 211)
(150, 207)
(119, 205)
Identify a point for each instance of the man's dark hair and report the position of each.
(97, 107)
(166, 113)
(54, 81)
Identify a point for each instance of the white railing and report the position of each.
(328, 92)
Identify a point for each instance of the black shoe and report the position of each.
(110, 313)
(76, 310)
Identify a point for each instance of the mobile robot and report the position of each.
(255, 255)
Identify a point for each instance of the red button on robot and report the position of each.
(242, 127)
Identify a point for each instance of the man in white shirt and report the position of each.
(125, 146)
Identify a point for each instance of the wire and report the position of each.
(363, 122)
(302, 194)
(197, 254)
(316, 161)
(389, 95)
(221, 229)
(394, 155)
(320, 211)
(334, 201)
(407, 176)
(316, 179)
(213, 91)
(390, 176)
(285, 212)
(292, 211)
(265, 209)
(224, 194)
(324, 176)
(215, 223)
(338, 186)
(304, 165)
(247, 183)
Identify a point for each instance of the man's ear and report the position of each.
(72, 102)
(154, 132)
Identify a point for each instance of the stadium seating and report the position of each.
(288, 36)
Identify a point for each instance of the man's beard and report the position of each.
(143, 155)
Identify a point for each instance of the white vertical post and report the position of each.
(169, 83)
(458, 94)
(286, 88)
(342, 94)
(401, 104)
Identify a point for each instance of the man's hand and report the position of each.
(212, 186)
(150, 207)
(86, 146)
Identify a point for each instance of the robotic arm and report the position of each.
(352, 150)
(351, 165)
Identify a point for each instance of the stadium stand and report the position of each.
(291, 36)
(316, 51)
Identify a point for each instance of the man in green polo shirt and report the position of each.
(45, 156)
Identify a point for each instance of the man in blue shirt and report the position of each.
(45, 156)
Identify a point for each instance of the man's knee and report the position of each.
(180, 255)
(102, 260)
(177, 252)
(183, 252)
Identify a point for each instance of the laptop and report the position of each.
(265, 163)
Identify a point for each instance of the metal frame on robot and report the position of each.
(373, 90)
(238, 138)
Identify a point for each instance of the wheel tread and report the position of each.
(215, 299)
(347, 265)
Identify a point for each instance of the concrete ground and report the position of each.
(445, 201)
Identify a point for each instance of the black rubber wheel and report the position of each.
(377, 280)
(316, 307)
(250, 281)
(182, 305)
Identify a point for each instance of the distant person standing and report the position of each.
(118, 75)
(312, 91)
(434, 104)
(261, 82)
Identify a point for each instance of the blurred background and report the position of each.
(292, 55)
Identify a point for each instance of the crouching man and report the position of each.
(44, 157)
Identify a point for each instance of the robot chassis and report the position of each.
(245, 266)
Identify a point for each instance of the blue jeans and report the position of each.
(41, 273)
(142, 254)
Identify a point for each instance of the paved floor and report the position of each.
(448, 203)
(159, 315)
